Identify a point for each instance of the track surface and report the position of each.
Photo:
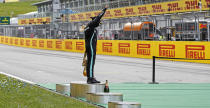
(44, 66)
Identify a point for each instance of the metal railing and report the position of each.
(115, 4)
(35, 15)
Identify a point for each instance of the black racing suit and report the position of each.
(91, 42)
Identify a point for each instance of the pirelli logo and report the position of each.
(107, 47)
(11, 41)
(80, 46)
(34, 43)
(143, 49)
(28, 42)
(195, 51)
(39, 20)
(23, 21)
(6, 40)
(48, 20)
(166, 50)
(16, 41)
(41, 43)
(124, 48)
(58, 44)
(49, 44)
(68, 45)
(2, 39)
(31, 21)
(21, 41)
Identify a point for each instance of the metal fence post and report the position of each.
(153, 71)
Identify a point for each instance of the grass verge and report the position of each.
(17, 94)
(12, 9)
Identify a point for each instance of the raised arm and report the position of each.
(101, 14)
(95, 22)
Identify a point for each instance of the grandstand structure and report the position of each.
(69, 17)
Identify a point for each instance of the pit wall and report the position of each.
(137, 49)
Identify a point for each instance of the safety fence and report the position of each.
(138, 49)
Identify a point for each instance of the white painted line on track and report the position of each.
(30, 82)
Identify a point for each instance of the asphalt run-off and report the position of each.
(182, 85)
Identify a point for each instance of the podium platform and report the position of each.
(104, 98)
(120, 104)
(94, 93)
(63, 88)
(79, 89)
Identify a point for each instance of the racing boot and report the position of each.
(92, 81)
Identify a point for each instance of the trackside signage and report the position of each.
(143, 49)
(138, 49)
(195, 51)
(166, 50)
(4, 20)
(124, 48)
(107, 47)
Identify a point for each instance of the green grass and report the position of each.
(17, 8)
(17, 94)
